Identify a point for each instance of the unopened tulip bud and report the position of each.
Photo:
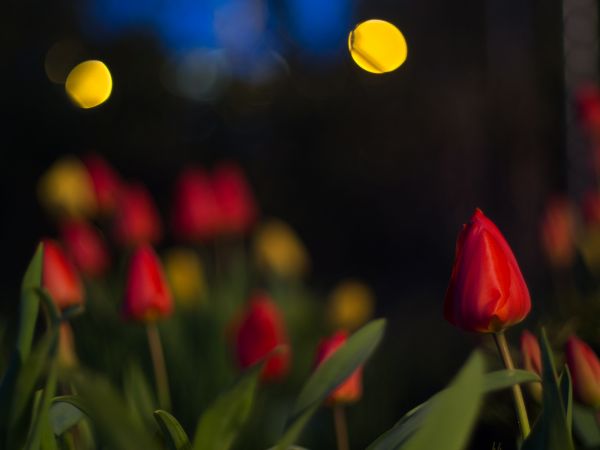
(196, 216)
(66, 189)
(349, 390)
(137, 220)
(185, 273)
(351, 305)
(532, 361)
(585, 371)
(234, 199)
(487, 292)
(86, 247)
(278, 249)
(260, 331)
(105, 180)
(558, 232)
(59, 277)
(147, 294)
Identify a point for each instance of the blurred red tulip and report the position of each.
(585, 370)
(105, 180)
(558, 232)
(487, 292)
(234, 199)
(86, 247)
(531, 353)
(195, 215)
(350, 390)
(137, 220)
(591, 208)
(260, 330)
(147, 294)
(59, 277)
(587, 100)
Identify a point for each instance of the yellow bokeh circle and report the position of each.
(377, 46)
(89, 84)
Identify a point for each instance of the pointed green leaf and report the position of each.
(223, 420)
(174, 434)
(551, 430)
(502, 379)
(29, 306)
(64, 416)
(138, 394)
(40, 417)
(586, 426)
(566, 391)
(355, 352)
(293, 432)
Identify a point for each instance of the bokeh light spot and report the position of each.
(89, 84)
(377, 46)
(61, 58)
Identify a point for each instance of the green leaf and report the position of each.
(29, 307)
(220, 424)
(502, 379)
(64, 416)
(566, 391)
(138, 395)
(40, 419)
(47, 441)
(172, 431)
(295, 429)
(355, 352)
(585, 424)
(551, 431)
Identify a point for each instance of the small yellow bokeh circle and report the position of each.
(89, 84)
(377, 46)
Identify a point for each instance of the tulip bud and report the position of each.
(136, 221)
(558, 232)
(66, 189)
(86, 247)
(196, 215)
(234, 199)
(186, 275)
(105, 180)
(349, 390)
(532, 361)
(278, 249)
(351, 305)
(588, 104)
(260, 330)
(59, 277)
(585, 370)
(67, 357)
(487, 292)
(147, 295)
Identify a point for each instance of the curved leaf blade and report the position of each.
(174, 434)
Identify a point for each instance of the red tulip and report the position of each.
(105, 180)
(531, 353)
(558, 232)
(86, 246)
(136, 220)
(196, 215)
(585, 370)
(260, 330)
(591, 208)
(234, 199)
(350, 390)
(147, 294)
(59, 277)
(487, 292)
(588, 104)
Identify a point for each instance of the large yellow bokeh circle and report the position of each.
(89, 84)
(377, 46)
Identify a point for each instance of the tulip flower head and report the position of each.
(532, 361)
(147, 294)
(585, 370)
(234, 199)
(351, 305)
(588, 104)
(59, 277)
(136, 220)
(558, 232)
(105, 180)
(196, 216)
(86, 247)
(487, 292)
(259, 332)
(185, 273)
(350, 390)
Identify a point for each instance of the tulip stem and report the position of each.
(160, 368)
(341, 428)
(520, 409)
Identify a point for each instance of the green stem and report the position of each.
(520, 409)
(341, 428)
(160, 368)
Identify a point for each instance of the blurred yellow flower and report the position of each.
(185, 272)
(278, 249)
(351, 304)
(66, 189)
(67, 357)
(377, 46)
(89, 84)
